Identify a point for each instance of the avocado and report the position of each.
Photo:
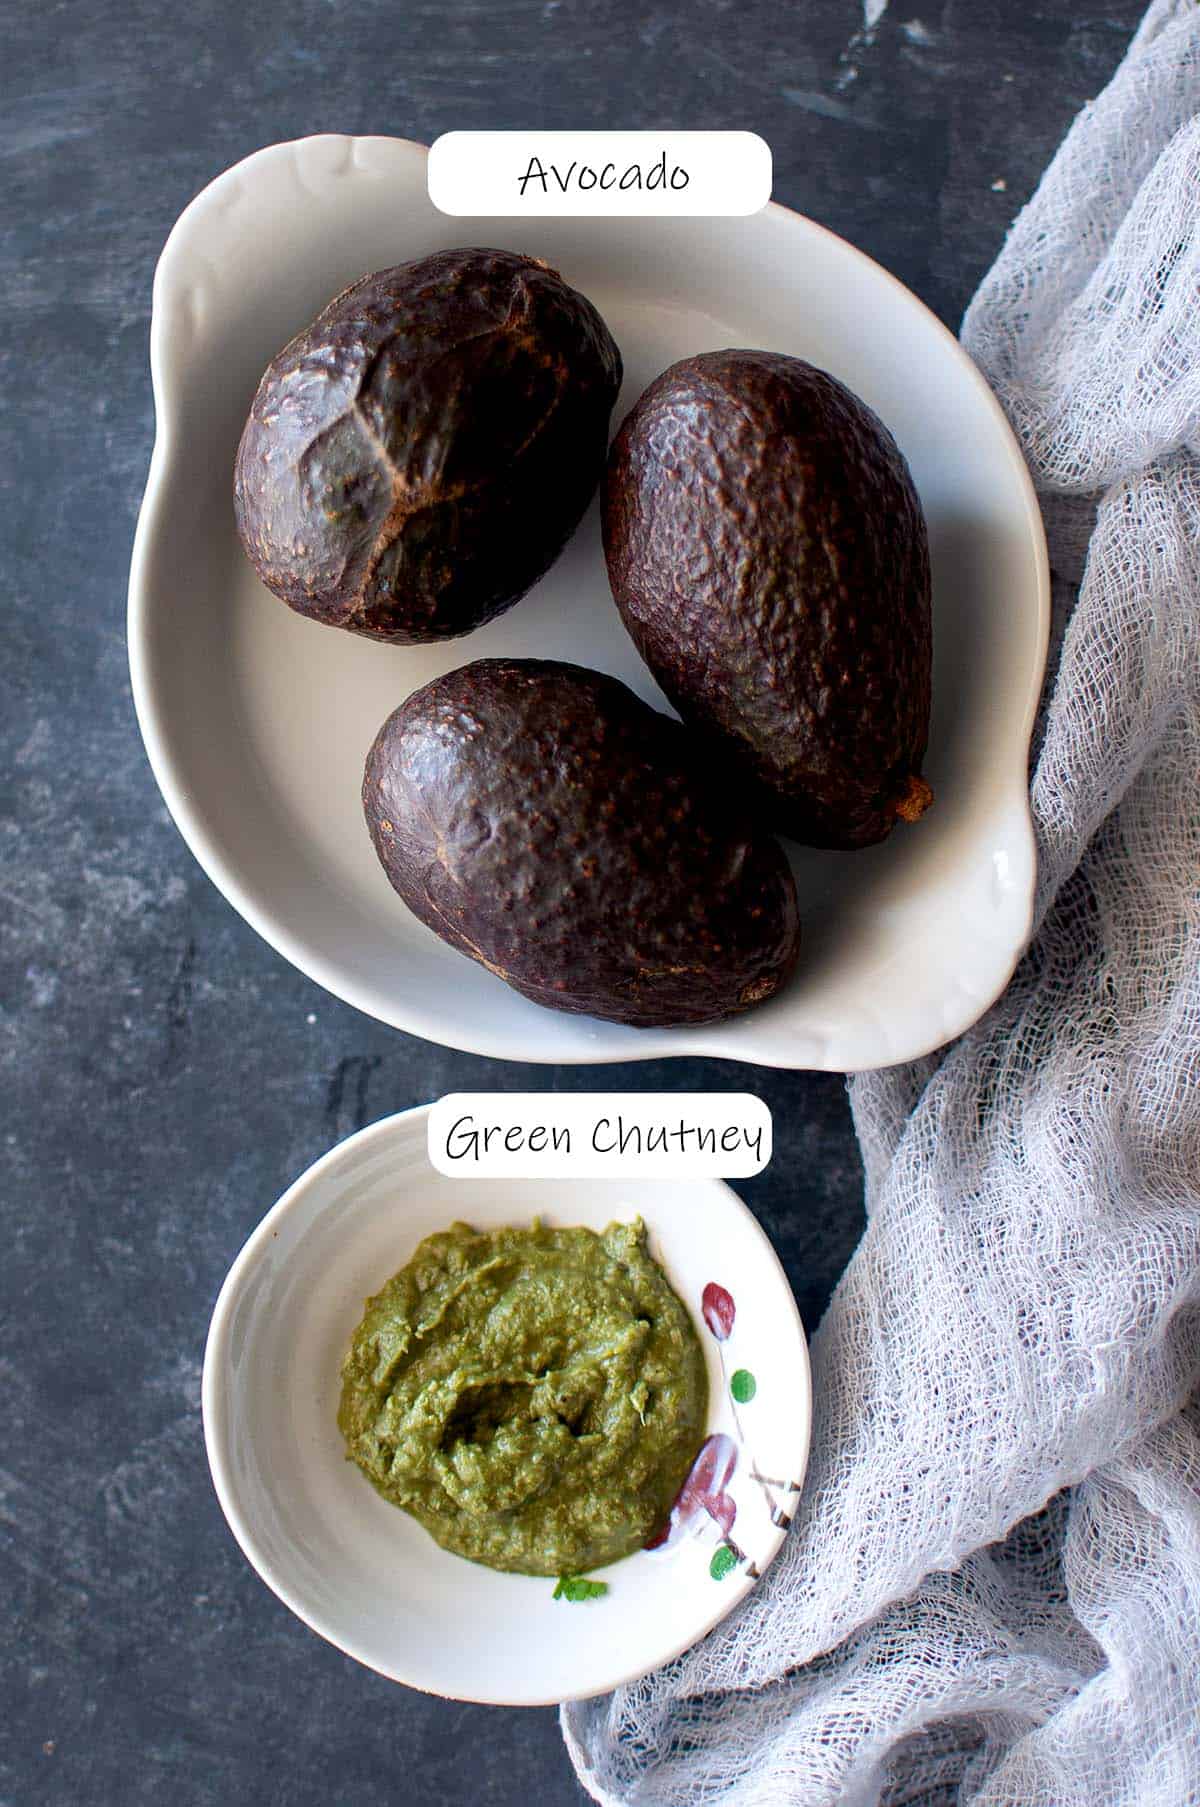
(767, 551)
(417, 457)
(544, 820)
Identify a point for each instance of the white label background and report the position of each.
(592, 1121)
(478, 174)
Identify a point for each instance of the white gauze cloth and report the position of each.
(991, 1593)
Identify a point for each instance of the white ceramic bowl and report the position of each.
(257, 722)
(364, 1574)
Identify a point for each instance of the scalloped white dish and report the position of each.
(257, 721)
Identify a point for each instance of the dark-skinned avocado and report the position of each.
(544, 820)
(767, 551)
(417, 457)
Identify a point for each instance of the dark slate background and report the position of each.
(165, 1074)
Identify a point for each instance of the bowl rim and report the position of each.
(214, 1400)
(966, 1006)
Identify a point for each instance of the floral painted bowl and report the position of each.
(365, 1575)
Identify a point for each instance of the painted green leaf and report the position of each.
(723, 1560)
(743, 1386)
(578, 1587)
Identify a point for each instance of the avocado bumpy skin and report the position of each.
(416, 458)
(768, 553)
(544, 820)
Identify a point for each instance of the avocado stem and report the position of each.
(914, 799)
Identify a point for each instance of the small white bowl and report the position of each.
(364, 1574)
(257, 722)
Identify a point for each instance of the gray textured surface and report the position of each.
(165, 1074)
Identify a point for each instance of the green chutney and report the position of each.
(535, 1397)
